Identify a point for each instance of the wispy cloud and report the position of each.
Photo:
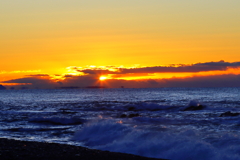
(24, 71)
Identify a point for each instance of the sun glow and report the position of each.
(102, 78)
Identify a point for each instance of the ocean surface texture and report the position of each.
(171, 123)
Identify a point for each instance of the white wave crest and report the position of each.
(116, 137)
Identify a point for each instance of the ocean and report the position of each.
(171, 123)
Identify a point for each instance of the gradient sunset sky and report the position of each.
(113, 43)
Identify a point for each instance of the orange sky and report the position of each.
(42, 37)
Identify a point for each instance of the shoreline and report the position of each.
(24, 150)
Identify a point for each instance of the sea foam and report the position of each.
(113, 136)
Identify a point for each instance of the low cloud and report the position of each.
(90, 77)
(34, 82)
(229, 80)
(198, 67)
(44, 82)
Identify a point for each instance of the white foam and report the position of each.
(113, 136)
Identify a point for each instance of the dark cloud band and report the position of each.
(91, 77)
(198, 67)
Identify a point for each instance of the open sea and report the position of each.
(171, 123)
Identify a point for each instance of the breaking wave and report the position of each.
(116, 137)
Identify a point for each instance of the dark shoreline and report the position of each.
(24, 150)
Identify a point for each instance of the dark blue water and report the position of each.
(173, 123)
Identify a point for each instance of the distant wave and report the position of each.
(58, 120)
(34, 129)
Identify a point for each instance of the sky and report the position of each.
(130, 43)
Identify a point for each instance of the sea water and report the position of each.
(171, 123)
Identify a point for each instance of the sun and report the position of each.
(102, 78)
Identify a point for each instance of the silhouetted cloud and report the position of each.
(221, 63)
(35, 82)
(229, 80)
(80, 81)
(198, 67)
(91, 77)
(2, 87)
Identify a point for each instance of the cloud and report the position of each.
(229, 80)
(221, 63)
(97, 71)
(80, 81)
(38, 75)
(34, 82)
(91, 77)
(198, 67)
(24, 71)
(45, 81)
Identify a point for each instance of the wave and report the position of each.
(21, 129)
(1, 104)
(116, 137)
(58, 120)
(143, 106)
(193, 106)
